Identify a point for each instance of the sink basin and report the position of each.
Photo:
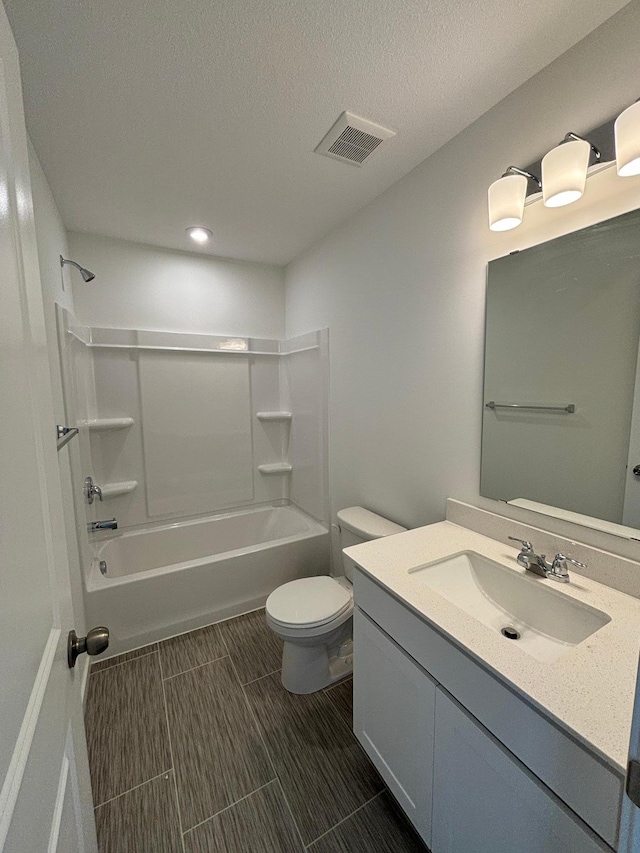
(543, 622)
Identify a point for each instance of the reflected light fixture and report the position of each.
(506, 198)
(564, 170)
(627, 134)
(199, 234)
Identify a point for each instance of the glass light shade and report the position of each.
(627, 133)
(564, 173)
(506, 202)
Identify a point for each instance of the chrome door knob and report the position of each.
(96, 642)
(636, 470)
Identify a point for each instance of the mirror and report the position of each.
(561, 408)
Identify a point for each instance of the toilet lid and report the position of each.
(308, 602)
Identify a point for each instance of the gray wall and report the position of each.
(401, 286)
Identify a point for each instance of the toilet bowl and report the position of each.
(313, 616)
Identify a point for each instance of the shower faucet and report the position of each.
(91, 491)
(109, 524)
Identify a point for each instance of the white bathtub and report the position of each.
(172, 578)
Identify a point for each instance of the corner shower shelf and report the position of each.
(276, 468)
(102, 424)
(274, 416)
(114, 490)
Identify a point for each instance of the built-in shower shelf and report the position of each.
(103, 424)
(276, 468)
(115, 490)
(274, 416)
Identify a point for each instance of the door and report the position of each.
(486, 801)
(630, 817)
(394, 718)
(631, 505)
(45, 794)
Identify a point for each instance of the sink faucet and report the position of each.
(538, 565)
(110, 524)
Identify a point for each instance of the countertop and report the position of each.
(588, 691)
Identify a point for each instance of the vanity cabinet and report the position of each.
(472, 764)
(394, 698)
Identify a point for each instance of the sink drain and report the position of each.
(510, 633)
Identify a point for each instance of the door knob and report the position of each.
(636, 470)
(96, 642)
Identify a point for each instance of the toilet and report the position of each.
(313, 616)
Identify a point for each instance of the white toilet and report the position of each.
(314, 615)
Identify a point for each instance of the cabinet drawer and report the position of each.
(578, 777)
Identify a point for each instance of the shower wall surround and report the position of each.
(188, 424)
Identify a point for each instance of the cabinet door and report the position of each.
(486, 801)
(394, 717)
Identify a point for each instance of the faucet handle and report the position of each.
(527, 547)
(560, 562)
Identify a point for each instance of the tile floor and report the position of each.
(195, 747)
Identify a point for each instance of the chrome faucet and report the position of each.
(538, 565)
(110, 524)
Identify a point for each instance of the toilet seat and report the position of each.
(308, 602)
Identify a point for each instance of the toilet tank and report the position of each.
(358, 525)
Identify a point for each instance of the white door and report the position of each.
(485, 801)
(45, 794)
(394, 705)
(630, 817)
(631, 505)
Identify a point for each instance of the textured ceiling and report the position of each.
(152, 116)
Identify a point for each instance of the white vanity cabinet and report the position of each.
(482, 771)
(394, 698)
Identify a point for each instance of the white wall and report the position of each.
(401, 286)
(144, 287)
(51, 237)
(56, 286)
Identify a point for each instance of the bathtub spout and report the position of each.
(110, 524)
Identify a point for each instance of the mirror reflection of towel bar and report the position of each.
(570, 407)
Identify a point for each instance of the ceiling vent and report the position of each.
(353, 139)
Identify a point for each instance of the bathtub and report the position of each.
(171, 578)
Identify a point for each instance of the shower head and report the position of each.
(86, 274)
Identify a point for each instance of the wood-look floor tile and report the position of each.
(378, 827)
(254, 648)
(99, 665)
(126, 727)
(144, 820)
(189, 650)
(324, 773)
(261, 823)
(218, 753)
(342, 697)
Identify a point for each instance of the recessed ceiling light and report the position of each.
(199, 234)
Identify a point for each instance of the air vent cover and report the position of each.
(353, 139)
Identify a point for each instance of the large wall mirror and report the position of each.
(561, 416)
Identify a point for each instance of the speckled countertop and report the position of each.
(589, 690)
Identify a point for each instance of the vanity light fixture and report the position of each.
(199, 234)
(627, 135)
(506, 198)
(564, 170)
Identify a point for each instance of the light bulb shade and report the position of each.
(564, 173)
(627, 133)
(506, 202)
